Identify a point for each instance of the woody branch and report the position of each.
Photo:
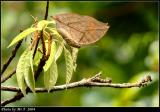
(95, 81)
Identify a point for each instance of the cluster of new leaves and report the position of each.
(27, 66)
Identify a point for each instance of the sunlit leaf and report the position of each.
(46, 34)
(69, 65)
(74, 57)
(24, 71)
(58, 37)
(59, 50)
(21, 82)
(59, 40)
(37, 58)
(29, 79)
(51, 57)
(50, 76)
(22, 35)
(41, 24)
(31, 61)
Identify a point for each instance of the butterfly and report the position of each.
(79, 30)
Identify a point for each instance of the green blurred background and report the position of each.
(128, 52)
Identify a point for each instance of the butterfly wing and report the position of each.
(80, 30)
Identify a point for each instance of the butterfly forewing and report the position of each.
(80, 30)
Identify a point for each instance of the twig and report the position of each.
(46, 13)
(41, 36)
(45, 18)
(43, 43)
(35, 50)
(85, 83)
(36, 34)
(19, 95)
(11, 57)
(8, 76)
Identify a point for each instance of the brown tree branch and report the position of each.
(35, 50)
(3, 79)
(43, 43)
(11, 57)
(9, 61)
(90, 82)
(45, 18)
(18, 96)
(46, 13)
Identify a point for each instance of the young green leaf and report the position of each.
(24, 78)
(59, 41)
(22, 35)
(54, 32)
(41, 24)
(50, 76)
(74, 57)
(60, 47)
(69, 65)
(31, 61)
(51, 57)
(21, 82)
(37, 58)
(21, 69)
(29, 79)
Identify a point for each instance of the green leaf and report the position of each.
(24, 66)
(29, 79)
(37, 58)
(31, 61)
(69, 65)
(51, 57)
(74, 57)
(21, 69)
(59, 40)
(22, 35)
(43, 23)
(50, 76)
(59, 50)
(21, 82)
(57, 36)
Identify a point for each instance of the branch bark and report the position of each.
(14, 51)
(95, 81)
(90, 82)
(3, 79)
(45, 18)
(46, 13)
(11, 57)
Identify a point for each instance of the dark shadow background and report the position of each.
(128, 52)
